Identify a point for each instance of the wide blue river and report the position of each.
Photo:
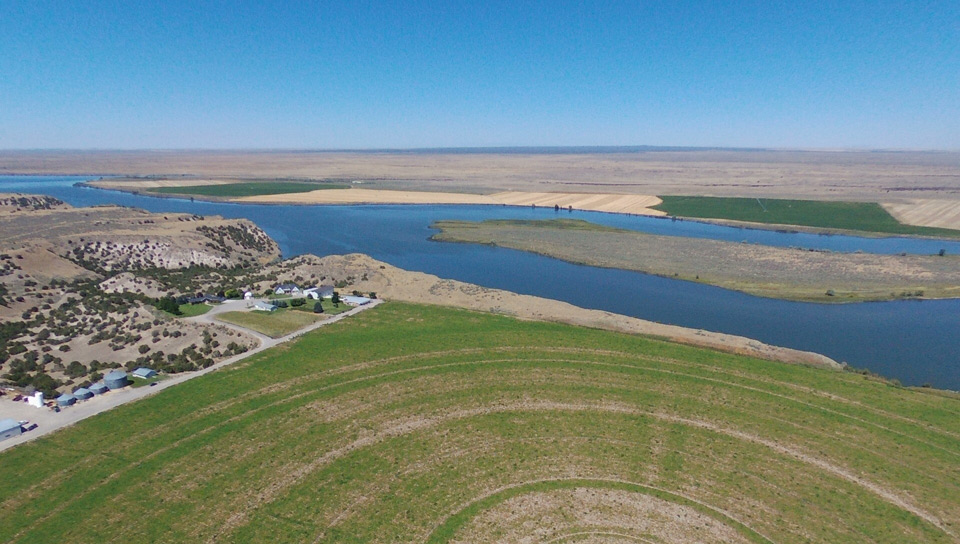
(916, 342)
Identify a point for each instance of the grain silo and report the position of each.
(115, 379)
(82, 393)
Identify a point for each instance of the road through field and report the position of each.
(49, 421)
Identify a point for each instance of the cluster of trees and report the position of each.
(26, 372)
(169, 304)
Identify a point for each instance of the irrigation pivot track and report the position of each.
(415, 423)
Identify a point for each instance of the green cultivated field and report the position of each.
(420, 424)
(247, 189)
(863, 216)
(273, 324)
(193, 310)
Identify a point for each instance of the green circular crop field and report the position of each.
(420, 424)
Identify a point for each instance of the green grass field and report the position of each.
(420, 424)
(274, 324)
(190, 310)
(193, 310)
(247, 189)
(862, 216)
(328, 307)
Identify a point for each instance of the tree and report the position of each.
(169, 305)
(76, 369)
(233, 293)
(318, 308)
(298, 302)
(335, 299)
(45, 384)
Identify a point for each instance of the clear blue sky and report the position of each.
(138, 74)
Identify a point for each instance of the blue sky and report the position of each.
(488, 73)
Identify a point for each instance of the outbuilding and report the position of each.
(263, 306)
(66, 399)
(318, 292)
(82, 393)
(115, 379)
(144, 373)
(351, 300)
(9, 428)
(36, 400)
(98, 388)
(248, 295)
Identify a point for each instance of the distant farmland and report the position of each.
(415, 423)
(246, 188)
(862, 216)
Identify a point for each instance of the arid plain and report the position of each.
(919, 188)
(845, 175)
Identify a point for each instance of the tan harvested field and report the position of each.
(927, 212)
(598, 202)
(601, 202)
(760, 270)
(154, 183)
(841, 175)
(369, 196)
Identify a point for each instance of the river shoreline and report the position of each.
(912, 341)
(743, 225)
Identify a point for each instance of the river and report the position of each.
(916, 342)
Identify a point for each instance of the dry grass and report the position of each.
(862, 176)
(601, 202)
(927, 213)
(760, 270)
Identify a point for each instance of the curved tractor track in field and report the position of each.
(421, 424)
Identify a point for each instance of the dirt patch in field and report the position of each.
(603, 514)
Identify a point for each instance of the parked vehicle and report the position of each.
(31, 427)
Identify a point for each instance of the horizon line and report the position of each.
(519, 149)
